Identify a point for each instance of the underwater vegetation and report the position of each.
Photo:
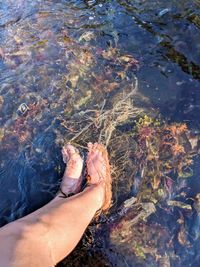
(163, 150)
(158, 223)
(163, 158)
(122, 73)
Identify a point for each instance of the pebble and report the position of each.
(163, 12)
(22, 109)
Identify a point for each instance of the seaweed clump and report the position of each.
(155, 221)
(163, 153)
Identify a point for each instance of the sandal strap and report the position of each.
(64, 195)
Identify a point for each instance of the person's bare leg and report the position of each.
(48, 235)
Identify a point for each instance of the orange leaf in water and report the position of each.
(177, 129)
(178, 149)
(182, 128)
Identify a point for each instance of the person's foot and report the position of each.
(72, 179)
(98, 169)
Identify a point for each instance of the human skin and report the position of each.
(46, 236)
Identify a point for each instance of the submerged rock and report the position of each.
(22, 109)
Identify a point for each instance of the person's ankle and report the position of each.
(99, 194)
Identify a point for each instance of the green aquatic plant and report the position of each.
(139, 251)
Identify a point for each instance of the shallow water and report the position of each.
(59, 58)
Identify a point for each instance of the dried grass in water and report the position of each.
(101, 124)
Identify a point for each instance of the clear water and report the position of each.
(52, 60)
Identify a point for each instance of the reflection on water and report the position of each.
(60, 60)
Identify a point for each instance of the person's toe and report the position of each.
(65, 154)
(68, 151)
(89, 145)
(71, 150)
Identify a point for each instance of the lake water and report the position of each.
(64, 62)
